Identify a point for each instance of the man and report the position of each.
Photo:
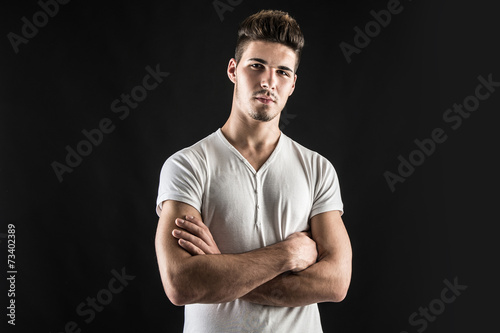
(250, 236)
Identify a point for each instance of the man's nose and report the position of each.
(268, 80)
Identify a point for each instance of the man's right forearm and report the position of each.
(225, 277)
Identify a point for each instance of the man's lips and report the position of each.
(265, 100)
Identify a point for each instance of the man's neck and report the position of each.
(251, 135)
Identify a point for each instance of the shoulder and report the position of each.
(192, 159)
(311, 158)
(197, 152)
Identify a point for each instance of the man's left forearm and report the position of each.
(322, 282)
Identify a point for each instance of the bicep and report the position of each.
(330, 235)
(334, 253)
(169, 254)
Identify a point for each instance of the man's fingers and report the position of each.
(190, 247)
(195, 231)
(194, 220)
(196, 241)
(191, 227)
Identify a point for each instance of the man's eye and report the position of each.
(283, 73)
(256, 65)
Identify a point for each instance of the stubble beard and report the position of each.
(260, 112)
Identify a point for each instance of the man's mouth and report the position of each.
(264, 99)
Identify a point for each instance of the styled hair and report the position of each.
(270, 26)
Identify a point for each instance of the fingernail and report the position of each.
(189, 217)
(177, 232)
(180, 220)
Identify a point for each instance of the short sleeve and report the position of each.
(181, 179)
(327, 192)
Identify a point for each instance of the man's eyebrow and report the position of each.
(285, 68)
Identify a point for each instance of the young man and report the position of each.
(250, 236)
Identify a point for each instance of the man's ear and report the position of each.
(293, 85)
(231, 70)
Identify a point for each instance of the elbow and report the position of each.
(339, 290)
(184, 293)
(177, 298)
(340, 284)
(178, 295)
(339, 295)
(184, 285)
(176, 291)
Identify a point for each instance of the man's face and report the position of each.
(264, 78)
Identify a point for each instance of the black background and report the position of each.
(439, 224)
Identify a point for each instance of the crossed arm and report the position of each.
(297, 271)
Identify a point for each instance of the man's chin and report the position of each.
(262, 116)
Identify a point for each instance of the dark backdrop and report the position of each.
(76, 233)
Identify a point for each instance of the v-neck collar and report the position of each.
(244, 160)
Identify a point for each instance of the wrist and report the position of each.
(289, 259)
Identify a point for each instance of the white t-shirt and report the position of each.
(246, 210)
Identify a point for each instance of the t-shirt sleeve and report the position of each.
(181, 179)
(327, 192)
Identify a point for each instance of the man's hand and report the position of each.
(303, 250)
(194, 236)
(325, 281)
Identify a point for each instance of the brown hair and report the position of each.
(270, 26)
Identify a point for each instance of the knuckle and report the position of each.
(198, 242)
